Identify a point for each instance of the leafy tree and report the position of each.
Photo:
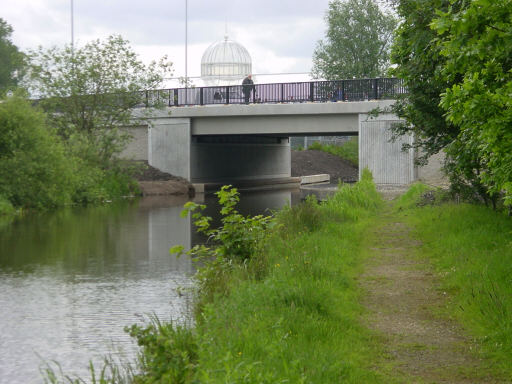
(91, 92)
(477, 47)
(455, 59)
(12, 61)
(419, 63)
(34, 168)
(357, 42)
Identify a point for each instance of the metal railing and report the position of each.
(312, 91)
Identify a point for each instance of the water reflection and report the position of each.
(71, 280)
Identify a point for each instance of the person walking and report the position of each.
(248, 87)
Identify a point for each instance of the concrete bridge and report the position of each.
(228, 143)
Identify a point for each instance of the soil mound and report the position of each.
(313, 162)
(154, 182)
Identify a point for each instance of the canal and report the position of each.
(71, 280)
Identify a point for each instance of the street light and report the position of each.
(72, 29)
(186, 51)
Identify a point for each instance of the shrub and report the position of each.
(169, 353)
(34, 168)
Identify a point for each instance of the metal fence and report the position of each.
(313, 91)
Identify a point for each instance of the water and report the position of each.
(71, 280)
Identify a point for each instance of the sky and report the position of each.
(280, 35)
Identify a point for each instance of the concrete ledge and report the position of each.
(315, 179)
(255, 185)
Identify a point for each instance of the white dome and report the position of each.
(225, 61)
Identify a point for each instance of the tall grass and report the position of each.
(290, 312)
(298, 319)
(348, 150)
(471, 247)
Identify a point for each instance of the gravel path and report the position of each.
(404, 306)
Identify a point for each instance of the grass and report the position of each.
(471, 248)
(301, 322)
(297, 318)
(348, 150)
(292, 313)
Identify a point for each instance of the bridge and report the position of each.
(204, 138)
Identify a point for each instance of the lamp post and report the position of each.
(186, 51)
(72, 29)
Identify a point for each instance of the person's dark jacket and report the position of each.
(248, 86)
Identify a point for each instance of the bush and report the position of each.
(34, 168)
(169, 353)
(6, 207)
(38, 170)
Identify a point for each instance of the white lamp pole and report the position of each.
(72, 29)
(186, 50)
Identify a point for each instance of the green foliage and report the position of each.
(238, 238)
(356, 202)
(300, 323)
(412, 198)
(90, 92)
(304, 217)
(357, 41)
(6, 207)
(454, 56)
(471, 248)
(169, 353)
(348, 150)
(476, 42)
(38, 170)
(34, 168)
(12, 61)
(111, 372)
(235, 242)
(419, 63)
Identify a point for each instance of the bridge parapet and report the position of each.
(299, 92)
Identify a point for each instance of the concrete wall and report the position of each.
(237, 161)
(137, 148)
(382, 156)
(431, 173)
(169, 146)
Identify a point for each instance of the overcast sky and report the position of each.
(280, 35)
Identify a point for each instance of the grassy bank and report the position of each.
(471, 248)
(279, 300)
(289, 313)
(348, 150)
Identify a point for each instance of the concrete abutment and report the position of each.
(251, 142)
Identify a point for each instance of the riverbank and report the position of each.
(353, 290)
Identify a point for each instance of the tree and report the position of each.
(455, 57)
(476, 43)
(12, 61)
(419, 63)
(34, 168)
(91, 91)
(357, 42)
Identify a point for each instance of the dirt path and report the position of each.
(402, 299)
